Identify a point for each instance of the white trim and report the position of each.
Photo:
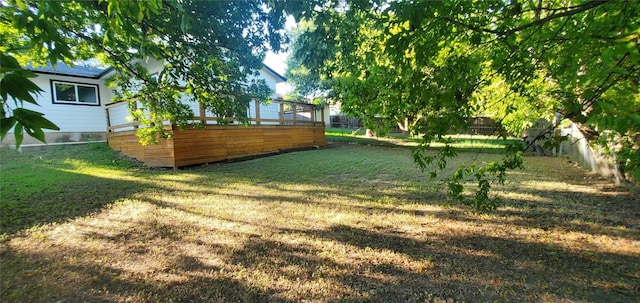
(54, 95)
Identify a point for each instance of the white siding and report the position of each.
(269, 78)
(75, 118)
(267, 111)
(193, 105)
(72, 117)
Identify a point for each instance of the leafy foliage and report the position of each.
(15, 85)
(439, 63)
(431, 64)
(210, 49)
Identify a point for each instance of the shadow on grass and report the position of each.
(69, 281)
(484, 268)
(457, 268)
(336, 263)
(79, 196)
(41, 188)
(612, 215)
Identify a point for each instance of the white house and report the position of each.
(74, 98)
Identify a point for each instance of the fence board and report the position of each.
(216, 143)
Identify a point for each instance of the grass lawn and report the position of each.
(463, 142)
(346, 223)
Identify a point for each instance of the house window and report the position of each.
(75, 93)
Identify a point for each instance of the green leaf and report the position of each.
(7, 61)
(44, 123)
(18, 86)
(627, 38)
(20, 4)
(110, 8)
(33, 119)
(17, 132)
(636, 119)
(636, 174)
(607, 53)
(608, 108)
(37, 133)
(141, 10)
(5, 125)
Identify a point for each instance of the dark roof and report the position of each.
(75, 71)
(276, 74)
(96, 73)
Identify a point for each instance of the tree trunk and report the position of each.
(369, 133)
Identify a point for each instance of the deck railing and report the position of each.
(276, 112)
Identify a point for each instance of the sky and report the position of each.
(278, 61)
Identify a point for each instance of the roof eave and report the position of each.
(66, 74)
(279, 78)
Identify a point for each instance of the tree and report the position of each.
(436, 63)
(210, 47)
(15, 85)
(306, 84)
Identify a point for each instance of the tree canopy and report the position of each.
(439, 63)
(433, 64)
(209, 48)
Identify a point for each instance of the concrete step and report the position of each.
(43, 146)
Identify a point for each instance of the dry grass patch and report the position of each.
(344, 224)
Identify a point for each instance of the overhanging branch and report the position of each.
(569, 12)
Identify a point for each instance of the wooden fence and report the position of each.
(274, 127)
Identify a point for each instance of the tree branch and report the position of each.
(569, 12)
(606, 84)
(112, 54)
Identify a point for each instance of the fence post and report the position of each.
(294, 113)
(281, 113)
(135, 108)
(257, 105)
(108, 120)
(203, 114)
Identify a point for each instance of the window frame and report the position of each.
(55, 100)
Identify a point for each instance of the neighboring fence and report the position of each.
(484, 126)
(478, 125)
(342, 121)
(578, 149)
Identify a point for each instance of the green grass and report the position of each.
(477, 143)
(463, 143)
(347, 223)
(40, 187)
(336, 131)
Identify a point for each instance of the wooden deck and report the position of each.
(214, 143)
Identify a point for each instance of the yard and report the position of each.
(346, 223)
